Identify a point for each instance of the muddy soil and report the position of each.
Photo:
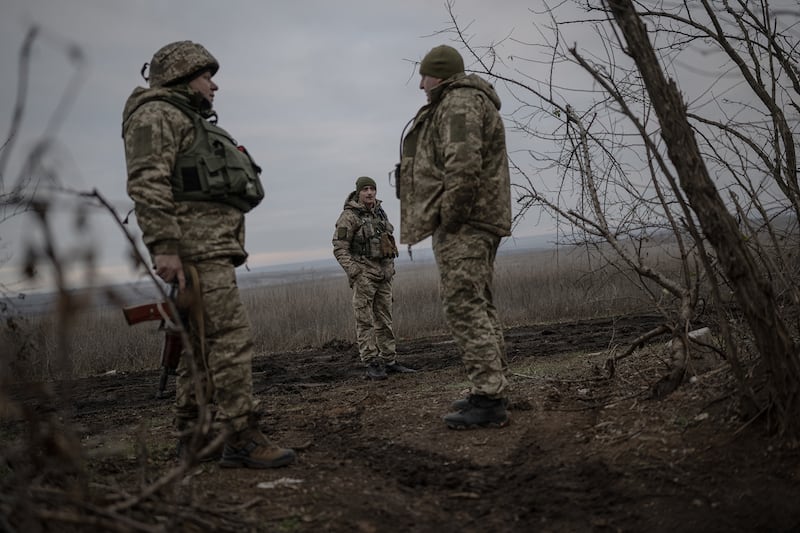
(583, 452)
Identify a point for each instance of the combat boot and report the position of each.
(397, 368)
(480, 412)
(463, 403)
(376, 371)
(252, 449)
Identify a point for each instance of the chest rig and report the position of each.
(373, 238)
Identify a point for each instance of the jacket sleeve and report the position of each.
(152, 141)
(346, 227)
(460, 129)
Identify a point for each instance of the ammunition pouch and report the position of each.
(373, 238)
(216, 169)
(379, 246)
(388, 245)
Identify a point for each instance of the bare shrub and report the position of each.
(638, 120)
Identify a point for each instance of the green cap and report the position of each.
(442, 62)
(363, 181)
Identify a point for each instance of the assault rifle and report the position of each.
(189, 306)
(173, 342)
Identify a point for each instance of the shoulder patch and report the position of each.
(458, 127)
(341, 233)
(142, 138)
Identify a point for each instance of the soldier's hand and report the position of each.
(170, 269)
(353, 272)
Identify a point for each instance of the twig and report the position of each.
(749, 422)
(526, 376)
(106, 521)
(244, 506)
(660, 330)
(622, 399)
(559, 380)
(163, 481)
(141, 259)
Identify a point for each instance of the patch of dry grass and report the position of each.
(530, 288)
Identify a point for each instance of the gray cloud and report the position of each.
(318, 91)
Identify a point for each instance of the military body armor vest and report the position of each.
(372, 239)
(214, 168)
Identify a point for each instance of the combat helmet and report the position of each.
(180, 61)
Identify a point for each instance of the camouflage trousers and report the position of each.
(466, 270)
(372, 305)
(220, 372)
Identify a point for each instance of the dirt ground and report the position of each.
(583, 453)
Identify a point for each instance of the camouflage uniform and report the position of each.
(369, 269)
(207, 234)
(454, 185)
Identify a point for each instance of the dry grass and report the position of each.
(530, 287)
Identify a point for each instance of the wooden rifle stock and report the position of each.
(136, 314)
(173, 342)
(189, 304)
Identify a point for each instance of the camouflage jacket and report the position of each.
(454, 166)
(354, 241)
(155, 133)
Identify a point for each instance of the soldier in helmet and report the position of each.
(365, 248)
(454, 185)
(191, 184)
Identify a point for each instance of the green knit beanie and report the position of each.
(363, 181)
(442, 62)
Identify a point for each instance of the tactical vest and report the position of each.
(372, 239)
(214, 168)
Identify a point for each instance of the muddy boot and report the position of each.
(463, 403)
(397, 368)
(481, 412)
(252, 449)
(375, 371)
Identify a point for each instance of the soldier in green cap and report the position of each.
(454, 185)
(191, 185)
(364, 245)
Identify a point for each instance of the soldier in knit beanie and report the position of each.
(454, 187)
(442, 62)
(364, 245)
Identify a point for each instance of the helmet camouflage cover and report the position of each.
(180, 60)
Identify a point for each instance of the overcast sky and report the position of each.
(319, 92)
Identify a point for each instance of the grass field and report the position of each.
(530, 288)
